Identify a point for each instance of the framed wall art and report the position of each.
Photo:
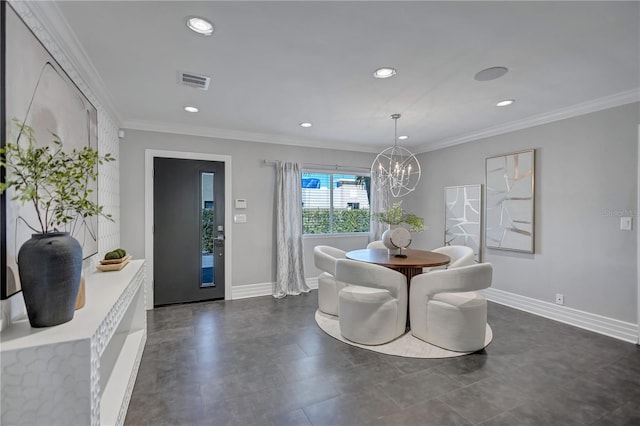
(38, 92)
(510, 201)
(463, 217)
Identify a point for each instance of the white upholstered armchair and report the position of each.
(377, 244)
(325, 258)
(373, 306)
(446, 310)
(460, 255)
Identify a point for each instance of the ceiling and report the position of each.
(276, 64)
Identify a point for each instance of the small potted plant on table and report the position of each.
(397, 237)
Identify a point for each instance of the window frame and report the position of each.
(332, 173)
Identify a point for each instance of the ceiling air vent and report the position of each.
(194, 80)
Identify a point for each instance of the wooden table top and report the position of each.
(414, 259)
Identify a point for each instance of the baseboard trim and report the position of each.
(621, 330)
(263, 289)
(608, 326)
(251, 290)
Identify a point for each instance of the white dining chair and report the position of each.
(378, 244)
(447, 311)
(324, 258)
(373, 306)
(460, 256)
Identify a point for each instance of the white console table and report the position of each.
(81, 372)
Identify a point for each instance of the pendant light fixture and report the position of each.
(396, 168)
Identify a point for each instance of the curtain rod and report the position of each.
(324, 166)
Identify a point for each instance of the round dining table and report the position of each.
(409, 266)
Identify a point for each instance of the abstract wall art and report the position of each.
(509, 201)
(463, 217)
(38, 92)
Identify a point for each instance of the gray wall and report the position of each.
(586, 170)
(253, 242)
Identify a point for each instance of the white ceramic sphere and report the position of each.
(396, 238)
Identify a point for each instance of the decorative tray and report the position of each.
(111, 266)
(112, 261)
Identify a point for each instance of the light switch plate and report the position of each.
(626, 223)
(240, 218)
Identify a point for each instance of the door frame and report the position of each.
(149, 156)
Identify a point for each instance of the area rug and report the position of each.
(406, 345)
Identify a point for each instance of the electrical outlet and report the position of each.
(626, 223)
(560, 299)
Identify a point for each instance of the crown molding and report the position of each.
(595, 105)
(53, 27)
(617, 99)
(213, 132)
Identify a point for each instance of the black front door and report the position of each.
(188, 237)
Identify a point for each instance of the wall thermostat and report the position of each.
(241, 203)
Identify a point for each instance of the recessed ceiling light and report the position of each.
(200, 25)
(505, 102)
(491, 73)
(384, 72)
(403, 137)
(306, 124)
(191, 109)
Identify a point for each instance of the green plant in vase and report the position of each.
(56, 184)
(397, 216)
(396, 237)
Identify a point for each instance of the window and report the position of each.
(335, 203)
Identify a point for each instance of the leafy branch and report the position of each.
(396, 216)
(54, 181)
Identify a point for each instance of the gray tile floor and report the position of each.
(263, 361)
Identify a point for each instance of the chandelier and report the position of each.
(396, 168)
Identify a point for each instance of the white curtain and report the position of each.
(290, 268)
(379, 202)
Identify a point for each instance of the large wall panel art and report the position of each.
(463, 217)
(509, 218)
(38, 92)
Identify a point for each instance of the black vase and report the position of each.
(50, 267)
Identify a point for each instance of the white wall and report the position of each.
(586, 170)
(108, 174)
(253, 242)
